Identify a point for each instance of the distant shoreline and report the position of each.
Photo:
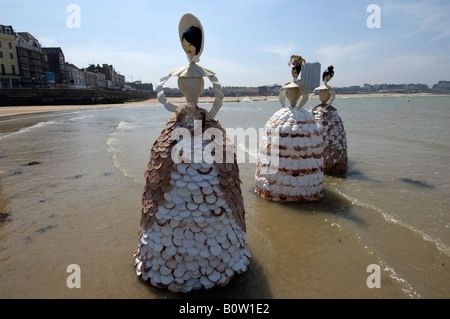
(275, 98)
(9, 111)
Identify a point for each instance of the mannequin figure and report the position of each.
(335, 140)
(192, 231)
(292, 130)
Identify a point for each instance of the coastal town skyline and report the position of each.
(385, 43)
(25, 63)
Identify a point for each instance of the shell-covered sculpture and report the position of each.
(192, 231)
(293, 142)
(335, 137)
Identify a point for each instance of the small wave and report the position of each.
(82, 117)
(115, 140)
(391, 219)
(407, 288)
(112, 142)
(115, 145)
(117, 163)
(122, 169)
(28, 129)
(125, 126)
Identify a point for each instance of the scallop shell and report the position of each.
(205, 253)
(177, 199)
(207, 190)
(199, 237)
(181, 168)
(178, 233)
(192, 251)
(206, 282)
(211, 199)
(180, 183)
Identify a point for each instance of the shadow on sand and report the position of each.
(250, 285)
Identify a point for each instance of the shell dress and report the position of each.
(192, 231)
(296, 175)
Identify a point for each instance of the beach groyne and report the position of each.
(38, 96)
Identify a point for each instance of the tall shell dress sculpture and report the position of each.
(289, 167)
(192, 231)
(335, 137)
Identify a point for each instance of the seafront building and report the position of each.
(113, 80)
(24, 63)
(54, 56)
(93, 79)
(75, 77)
(31, 60)
(9, 63)
(442, 87)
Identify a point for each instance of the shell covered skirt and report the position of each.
(296, 173)
(335, 139)
(192, 230)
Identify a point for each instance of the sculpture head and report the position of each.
(190, 31)
(190, 77)
(296, 62)
(191, 41)
(328, 74)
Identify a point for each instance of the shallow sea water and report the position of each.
(71, 185)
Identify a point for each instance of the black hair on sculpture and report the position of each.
(193, 35)
(328, 72)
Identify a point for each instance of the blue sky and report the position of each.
(248, 42)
